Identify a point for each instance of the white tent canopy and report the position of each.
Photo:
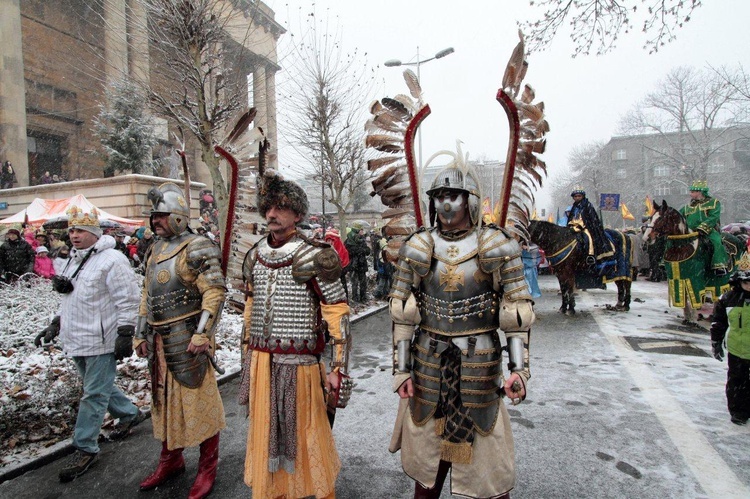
(41, 210)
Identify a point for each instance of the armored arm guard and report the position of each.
(500, 255)
(203, 259)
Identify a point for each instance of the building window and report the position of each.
(716, 168)
(663, 190)
(684, 189)
(661, 171)
(621, 173)
(619, 154)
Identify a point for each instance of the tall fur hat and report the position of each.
(273, 190)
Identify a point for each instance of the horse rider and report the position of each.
(702, 215)
(582, 217)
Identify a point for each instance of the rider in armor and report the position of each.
(455, 284)
(296, 313)
(182, 300)
(582, 217)
(703, 216)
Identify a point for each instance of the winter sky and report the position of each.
(585, 97)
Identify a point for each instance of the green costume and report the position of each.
(702, 215)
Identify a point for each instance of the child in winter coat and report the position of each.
(732, 321)
(43, 265)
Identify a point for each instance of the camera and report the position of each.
(62, 284)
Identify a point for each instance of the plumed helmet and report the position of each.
(700, 185)
(578, 190)
(169, 198)
(275, 191)
(458, 176)
(743, 270)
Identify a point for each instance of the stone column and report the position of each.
(260, 97)
(140, 62)
(12, 92)
(115, 42)
(271, 133)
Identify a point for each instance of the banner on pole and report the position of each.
(609, 202)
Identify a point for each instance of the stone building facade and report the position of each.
(58, 57)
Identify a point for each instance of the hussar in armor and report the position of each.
(457, 282)
(181, 304)
(296, 341)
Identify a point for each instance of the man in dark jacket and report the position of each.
(732, 320)
(16, 256)
(358, 251)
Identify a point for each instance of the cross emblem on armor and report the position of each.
(452, 251)
(452, 278)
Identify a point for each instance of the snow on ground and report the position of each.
(40, 388)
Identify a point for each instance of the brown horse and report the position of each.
(687, 258)
(568, 258)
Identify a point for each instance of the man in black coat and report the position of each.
(16, 256)
(358, 251)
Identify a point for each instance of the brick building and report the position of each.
(57, 58)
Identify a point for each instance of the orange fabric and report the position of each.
(317, 463)
(186, 416)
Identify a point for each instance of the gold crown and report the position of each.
(77, 218)
(699, 185)
(743, 264)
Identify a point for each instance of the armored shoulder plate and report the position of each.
(496, 248)
(417, 251)
(316, 260)
(204, 257)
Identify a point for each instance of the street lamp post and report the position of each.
(395, 63)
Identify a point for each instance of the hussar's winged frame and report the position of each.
(390, 135)
(523, 169)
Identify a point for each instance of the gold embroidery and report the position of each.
(452, 251)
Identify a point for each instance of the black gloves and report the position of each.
(124, 342)
(718, 349)
(49, 333)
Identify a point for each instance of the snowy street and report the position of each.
(620, 405)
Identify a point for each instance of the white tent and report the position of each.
(41, 210)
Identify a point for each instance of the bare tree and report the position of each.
(597, 24)
(198, 73)
(687, 122)
(325, 100)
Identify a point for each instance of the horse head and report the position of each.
(665, 221)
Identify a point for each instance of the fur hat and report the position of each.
(275, 191)
(89, 222)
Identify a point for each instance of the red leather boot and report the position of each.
(171, 463)
(204, 482)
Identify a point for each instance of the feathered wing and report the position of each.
(239, 148)
(390, 141)
(523, 169)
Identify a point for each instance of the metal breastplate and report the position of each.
(456, 297)
(285, 314)
(169, 299)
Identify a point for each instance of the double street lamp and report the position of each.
(391, 63)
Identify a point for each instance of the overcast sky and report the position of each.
(585, 97)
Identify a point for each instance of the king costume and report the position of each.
(296, 309)
(181, 304)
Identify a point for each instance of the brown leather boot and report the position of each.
(171, 464)
(207, 463)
